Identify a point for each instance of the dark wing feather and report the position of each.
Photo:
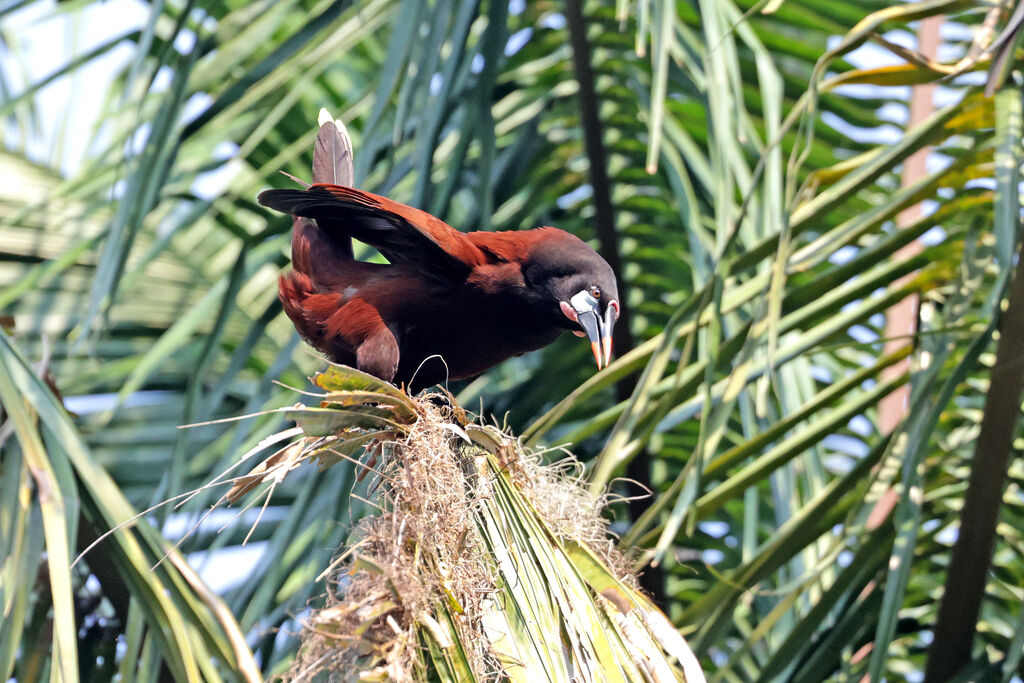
(404, 235)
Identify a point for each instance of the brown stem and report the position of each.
(972, 553)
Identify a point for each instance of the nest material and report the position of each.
(422, 550)
(482, 564)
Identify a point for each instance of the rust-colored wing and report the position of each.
(514, 246)
(404, 235)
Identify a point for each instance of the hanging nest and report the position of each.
(481, 563)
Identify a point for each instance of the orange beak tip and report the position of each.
(597, 353)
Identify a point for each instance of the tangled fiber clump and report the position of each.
(423, 548)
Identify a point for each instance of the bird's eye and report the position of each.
(595, 292)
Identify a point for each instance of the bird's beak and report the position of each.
(584, 309)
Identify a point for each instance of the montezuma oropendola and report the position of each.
(470, 299)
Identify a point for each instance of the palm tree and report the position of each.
(739, 160)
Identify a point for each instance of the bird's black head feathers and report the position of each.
(564, 265)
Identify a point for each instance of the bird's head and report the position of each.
(579, 286)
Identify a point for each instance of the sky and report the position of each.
(41, 39)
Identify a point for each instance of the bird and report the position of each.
(449, 304)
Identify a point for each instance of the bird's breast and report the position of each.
(470, 331)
